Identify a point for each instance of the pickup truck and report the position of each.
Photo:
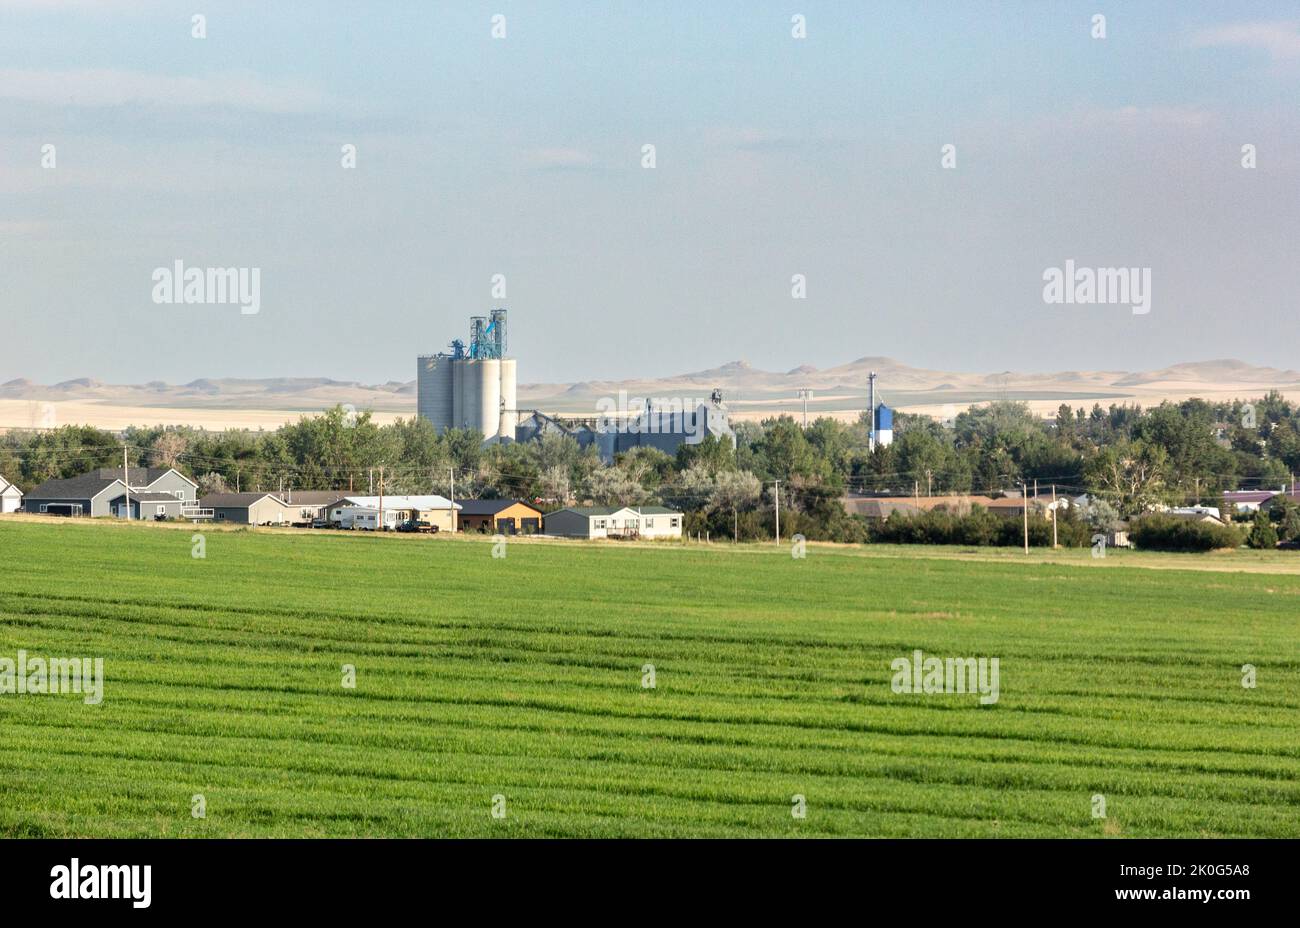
(417, 525)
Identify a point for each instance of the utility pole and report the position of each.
(1024, 507)
(777, 487)
(871, 412)
(1054, 544)
(916, 493)
(804, 393)
(452, 473)
(126, 479)
(236, 479)
(380, 526)
(370, 481)
(928, 482)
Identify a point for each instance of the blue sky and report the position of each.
(522, 156)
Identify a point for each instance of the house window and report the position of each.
(45, 507)
(600, 523)
(649, 523)
(674, 522)
(160, 510)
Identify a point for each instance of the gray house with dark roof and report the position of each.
(102, 492)
(150, 505)
(260, 508)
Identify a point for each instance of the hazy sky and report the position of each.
(523, 156)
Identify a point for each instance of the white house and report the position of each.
(365, 519)
(614, 522)
(11, 498)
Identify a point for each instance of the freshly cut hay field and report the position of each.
(522, 677)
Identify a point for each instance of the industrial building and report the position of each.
(664, 428)
(881, 431)
(474, 387)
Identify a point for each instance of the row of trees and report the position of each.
(1130, 459)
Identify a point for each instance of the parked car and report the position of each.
(417, 525)
(320, 523)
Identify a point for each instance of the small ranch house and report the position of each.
(504, 516)
(436, 510)
(615, 522)
(248, 508)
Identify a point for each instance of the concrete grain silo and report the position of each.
(509, 400)
(460, 413)
(487, 388)
(434, 390)
(474, 389)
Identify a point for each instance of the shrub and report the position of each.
(1262, 534)
(979, 528)
(1166, 533)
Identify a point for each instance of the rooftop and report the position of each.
(610, 510)
(234, 500)
(489, 507)
(85, 486)
(432, 501)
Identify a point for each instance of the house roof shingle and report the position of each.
(146, 497)
(235, 500)
(86, 486)
(590, 511)
(312, 497)
(490, 507)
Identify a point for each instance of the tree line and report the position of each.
(1129, 459)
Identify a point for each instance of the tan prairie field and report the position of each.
(26, 414)
(750, 396)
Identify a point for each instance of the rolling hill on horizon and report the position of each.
(750, 392)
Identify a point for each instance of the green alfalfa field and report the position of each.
(515, 684)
